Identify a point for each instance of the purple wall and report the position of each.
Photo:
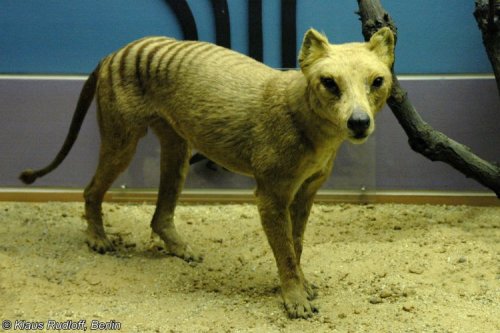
(35, 115)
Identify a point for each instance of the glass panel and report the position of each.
(354, 170)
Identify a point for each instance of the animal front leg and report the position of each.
(300, 210)
(275, 216)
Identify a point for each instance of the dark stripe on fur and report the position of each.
(138, 67)
(151, 56)
(110, 73)
(123, 62)
(189, 53)
(164, 55)
(180, 47)
(202, 50)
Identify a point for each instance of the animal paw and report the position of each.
(311, 290)
(100, 244)
(297, 303)
(300, 309)
(178, 249)
(185, 252)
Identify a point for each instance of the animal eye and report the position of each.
(330, 85)
(378, 82)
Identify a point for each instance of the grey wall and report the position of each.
(35, 115)
(466, 110)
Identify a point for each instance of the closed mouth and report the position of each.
(359, 136)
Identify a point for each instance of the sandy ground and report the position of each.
(379, 268)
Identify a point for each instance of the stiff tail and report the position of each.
(86, 96)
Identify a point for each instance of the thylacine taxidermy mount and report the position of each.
(281, 127)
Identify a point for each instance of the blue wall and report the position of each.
(69, 37)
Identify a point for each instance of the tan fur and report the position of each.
(281, 127)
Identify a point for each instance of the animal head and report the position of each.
(347, 84)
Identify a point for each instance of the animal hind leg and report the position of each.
(175, 154)
(115, 155)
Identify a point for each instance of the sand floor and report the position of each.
(379, 268)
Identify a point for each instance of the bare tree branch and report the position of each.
(488, 19)
(421, 136)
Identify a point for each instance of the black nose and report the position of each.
(359, 122)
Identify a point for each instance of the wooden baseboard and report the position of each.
(246, 196)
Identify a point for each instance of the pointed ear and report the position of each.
(382, 43)
(314, 46)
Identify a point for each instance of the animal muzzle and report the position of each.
(359, 124)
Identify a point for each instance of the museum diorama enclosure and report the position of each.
(403, 235)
